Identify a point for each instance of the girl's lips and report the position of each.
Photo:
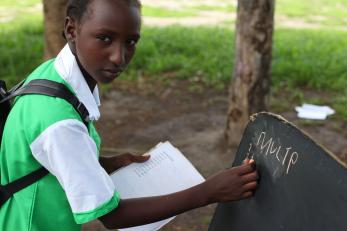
(114, 71)
(111, 74)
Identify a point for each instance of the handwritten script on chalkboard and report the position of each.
(302, 186)
(267, 145)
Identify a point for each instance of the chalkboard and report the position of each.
(302, 186)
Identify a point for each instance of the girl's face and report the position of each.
(104, 40)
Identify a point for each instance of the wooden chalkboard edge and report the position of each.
(280, 118)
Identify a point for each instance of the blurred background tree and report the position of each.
(54, 15)
(251, 78)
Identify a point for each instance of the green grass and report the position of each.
(225, 8)
(21, 46)
(302, 59)
(320, 12)
(329, 12)
(19, 4)
(19, 10)
(189, 52)
(333, 11)
(166, 13)
(313, 59)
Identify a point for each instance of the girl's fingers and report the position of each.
(253, 176)
(247, 194)
(139, 159)
(246, 168)
(246, 161)
(250, 186)
(144, 158)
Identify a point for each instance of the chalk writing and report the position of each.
(249, 155)
(284, 155)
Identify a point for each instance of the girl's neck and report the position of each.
(90, 81)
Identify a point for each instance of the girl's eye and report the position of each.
(131, 42)
(104, 38)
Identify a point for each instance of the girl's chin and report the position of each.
(107, 76)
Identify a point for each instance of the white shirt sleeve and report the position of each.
(67, 151)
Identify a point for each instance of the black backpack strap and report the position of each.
(43, 87)
(54, 89)
(7, 191)
(17, 86)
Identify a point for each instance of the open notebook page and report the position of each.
(167, 171)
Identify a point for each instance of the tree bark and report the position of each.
(251, 75)
(54, 16)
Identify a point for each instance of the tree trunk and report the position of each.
(251, 76)
(54, 16)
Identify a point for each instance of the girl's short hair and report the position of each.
(76, 8)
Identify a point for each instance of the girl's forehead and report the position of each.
(112, 13)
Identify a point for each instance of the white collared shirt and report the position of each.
(67, 67)
(69, 153)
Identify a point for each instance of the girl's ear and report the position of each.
(70, 31)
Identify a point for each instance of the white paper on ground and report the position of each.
(167, 171)
(310, 111)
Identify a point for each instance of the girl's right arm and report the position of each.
(228, 185)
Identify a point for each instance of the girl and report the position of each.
(46, 131)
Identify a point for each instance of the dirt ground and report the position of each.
(135, 117)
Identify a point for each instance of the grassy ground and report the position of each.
(21, 46)
(323, 12)
(302, 59)
(326, 12)
(162, 12)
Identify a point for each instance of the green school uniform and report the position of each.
(47, 131)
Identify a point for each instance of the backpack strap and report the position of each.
(50, 88)
(42, 87)
(7, 191)
(16, 87)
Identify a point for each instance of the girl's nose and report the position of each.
(117, 56)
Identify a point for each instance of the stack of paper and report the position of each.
(167, 171)
(310, 111)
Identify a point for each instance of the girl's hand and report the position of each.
(111, 164)
(232, 184)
